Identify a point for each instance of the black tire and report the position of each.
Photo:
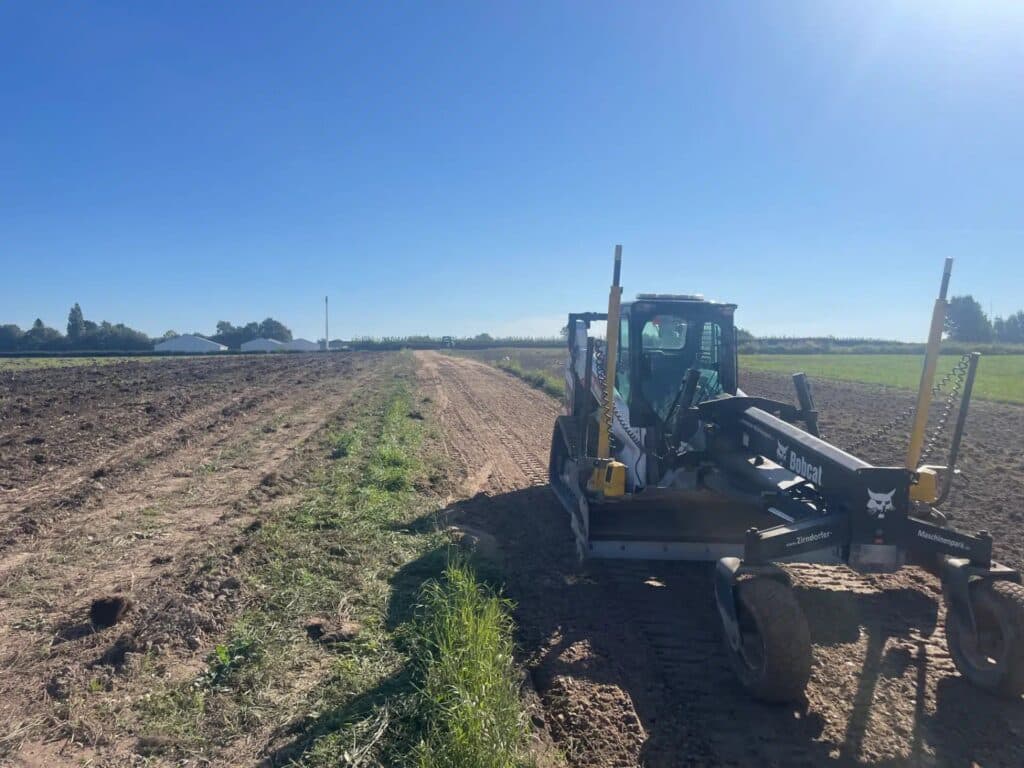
(993, 657)
(774, 658)
(559, 452)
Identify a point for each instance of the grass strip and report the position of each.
(538, 379)
(468, 693)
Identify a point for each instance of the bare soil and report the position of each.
(626, 656)
(122, 491)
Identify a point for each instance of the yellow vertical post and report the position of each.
(931, 359)
(611, 360)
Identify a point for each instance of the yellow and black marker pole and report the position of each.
(609, 477)
(924, 392)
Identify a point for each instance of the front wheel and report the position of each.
(773, 660)
(992, 655)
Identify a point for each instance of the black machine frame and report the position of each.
(833, 508)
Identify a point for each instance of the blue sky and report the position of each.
(466, 167)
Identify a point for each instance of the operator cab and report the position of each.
(661, 337)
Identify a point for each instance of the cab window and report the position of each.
(670, 346)
(664, 332)
(622, 364)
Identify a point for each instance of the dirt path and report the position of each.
(145, 519)
(626, 655)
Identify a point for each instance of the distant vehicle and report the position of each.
(447, 341)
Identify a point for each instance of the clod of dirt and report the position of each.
(107, 611)
(332, 631)
(59, 686)
(416, 415)
(116, 655)
(148, 746)
(39, 458)
(230, 584)
(476, 542)
(35, 440)
(270, 479)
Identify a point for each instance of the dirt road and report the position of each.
(626, 656)
(129, 481)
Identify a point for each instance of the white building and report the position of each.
(195, 345)
(301, 345)
(262, 345)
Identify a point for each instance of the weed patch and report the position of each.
(539, 379)
(469, 700)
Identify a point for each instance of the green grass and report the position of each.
(468, 693)
(35, 363)
(354, 548)
(541, 379)
(541, 368)
(1000, 377)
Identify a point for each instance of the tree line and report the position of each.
(967, 321)
(88, 336)
(82, 334)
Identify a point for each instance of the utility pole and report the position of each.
(327, 332)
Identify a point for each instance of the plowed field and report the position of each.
(124, 481)
(626, 657)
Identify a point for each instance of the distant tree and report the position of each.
(1011, 329)
(564, 332)
(485, 338)
(170, 335)
(966, 321)
(76, 323)
(273, 329)
(743, 335)
(41, 336)
(236, 335)
(10, 338)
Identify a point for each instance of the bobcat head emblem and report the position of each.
(880, 503)
(781, 451)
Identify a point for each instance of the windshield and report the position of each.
(671, 345)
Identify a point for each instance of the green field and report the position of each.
(32, 363)
(1000, 377)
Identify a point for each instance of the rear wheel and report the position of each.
(992, 655)
(773, 660)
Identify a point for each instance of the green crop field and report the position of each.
(32, 363)
(1000, 377)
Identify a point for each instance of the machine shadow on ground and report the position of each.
(652, 629)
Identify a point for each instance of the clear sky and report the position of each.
(466, 167)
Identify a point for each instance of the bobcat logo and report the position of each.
(880, 503)
(781, 451)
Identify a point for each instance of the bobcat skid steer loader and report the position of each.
(660, 455)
